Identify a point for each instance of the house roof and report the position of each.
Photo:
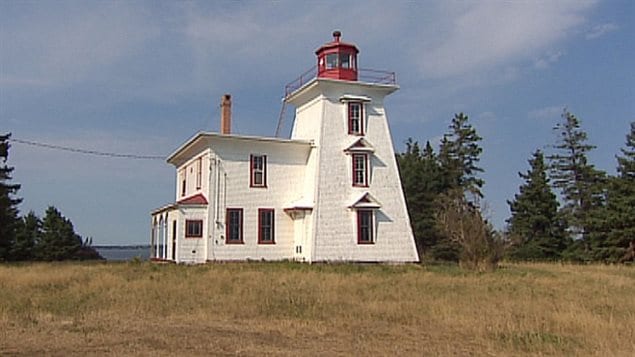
(197, 199)
(205, 138)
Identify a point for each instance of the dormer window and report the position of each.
(355, 118)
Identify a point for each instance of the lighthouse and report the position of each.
(359, 212)
(330, 192)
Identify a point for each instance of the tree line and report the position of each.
(565, 208)
(28, 237)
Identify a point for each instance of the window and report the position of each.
(258, 171)
(331, 61)
(234, 226)
(355, 118)
(199, 172)
(183, 182)
(265, 226)
(365, 227)
(193, 228)
(360, 170)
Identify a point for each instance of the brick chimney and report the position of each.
(226, 114)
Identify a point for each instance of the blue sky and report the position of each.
(142, 77)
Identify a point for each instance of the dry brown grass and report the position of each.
(291, 309)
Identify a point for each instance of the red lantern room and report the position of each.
(337, 60)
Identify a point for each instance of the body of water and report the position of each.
(124, 253)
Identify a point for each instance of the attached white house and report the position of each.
(329, 193)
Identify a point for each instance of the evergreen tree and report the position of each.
(581, 185)
(535, 226)
(419, 173)
(8, 203)
(459, 155)
(613, 225)
(59, 240)
(28, 233)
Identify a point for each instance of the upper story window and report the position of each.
(365, 226)
(360, 170)
(234, 225)
(193, 228)
(355, 118)
(258, 171)
(183, 182)
(265, 226)
(199, 172)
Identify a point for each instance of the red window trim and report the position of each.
(273, 229)
(361, 119)
(359, 226)
(187, 222)
(227, 240)
(264, 171)
(353, 156)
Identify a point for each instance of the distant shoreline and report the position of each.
(132, 246)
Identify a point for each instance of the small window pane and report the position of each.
(331, 61)
(345, 60)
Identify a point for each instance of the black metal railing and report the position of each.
(363, 75)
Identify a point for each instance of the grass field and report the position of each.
(292, 309)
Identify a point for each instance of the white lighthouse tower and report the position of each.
(359, 211)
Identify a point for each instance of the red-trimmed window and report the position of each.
(258, 170)
(234, 226)
(265, 226)
(193, 228)
(365, 226)
(199, 172)
(355, 118)
(360, 170)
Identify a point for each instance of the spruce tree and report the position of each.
(28, 233)
(613, 225)
(419, 173)
(8, 202)
(58, 240)
(535, 226)
(580, 183)
(459, 155)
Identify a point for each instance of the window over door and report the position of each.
(234, 226)
(258, 171)
(365, 226)
(266, 226)
(360, 170)
(355, 118)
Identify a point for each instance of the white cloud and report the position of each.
(57, 46)
(491, 34)
(548, 59)
(601, 30)
(546, 113)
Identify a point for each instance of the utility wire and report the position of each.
(88, 152)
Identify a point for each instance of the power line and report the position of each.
(88, 152)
